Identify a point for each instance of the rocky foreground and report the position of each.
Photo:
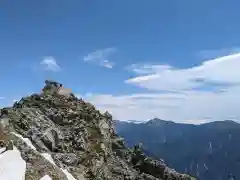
(60, 137)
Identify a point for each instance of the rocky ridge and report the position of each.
(64, 138)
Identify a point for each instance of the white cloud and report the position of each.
(182, 102)
(50, 64)
(164, 77)
(107, 64)
(193, 107)
(146, 68)
(1, 98)
(101, 57)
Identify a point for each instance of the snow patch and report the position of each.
(69, 176)
(46, 177)
(12, 166)
(26, 140)
(65, 171)
(2, 150)
(48, 157)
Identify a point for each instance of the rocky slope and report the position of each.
(54, 135)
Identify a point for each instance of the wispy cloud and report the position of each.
(222, 70)
(1, 98)
(101, 57)
(146, 68)
(50, 64)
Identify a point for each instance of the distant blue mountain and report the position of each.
(209, 151)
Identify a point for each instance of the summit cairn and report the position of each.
(51, 87)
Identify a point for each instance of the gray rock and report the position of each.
(78, 138)
(10, 145)
(69, 159)
(50, 139)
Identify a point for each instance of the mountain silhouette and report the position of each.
(208, 151)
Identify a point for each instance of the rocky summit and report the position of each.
(54, 135)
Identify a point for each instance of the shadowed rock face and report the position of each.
(78, 138)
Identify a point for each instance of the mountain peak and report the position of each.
(57, 135)
(157, 121)
(222, 124)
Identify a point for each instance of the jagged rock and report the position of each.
(57, 131)
(79, 143)
(50, 139)
(56, 118)
(51, 86)
(144, 176)
(10, 145)
(69, 159)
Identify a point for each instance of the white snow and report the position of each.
(26, 140)
(12, 160)
(48, 157)
(46, 177)
(69, 176)
(45, 155)
(65, 171)
(12, 166)
(2, 150)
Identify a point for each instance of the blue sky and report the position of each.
(117, 51)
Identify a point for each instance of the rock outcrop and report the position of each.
(64, 138)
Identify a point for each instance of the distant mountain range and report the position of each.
(209, 151)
